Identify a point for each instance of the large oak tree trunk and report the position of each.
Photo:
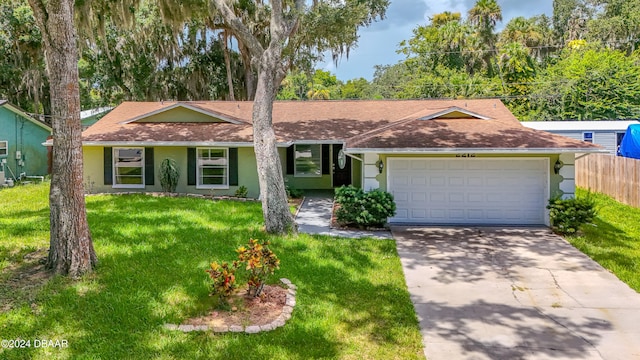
(275, 208)
(249, 77)
(227, 64)
(71, 249)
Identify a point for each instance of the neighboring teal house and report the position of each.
(91, 116)
(445, 161)
(21, 138)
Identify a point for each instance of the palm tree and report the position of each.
(523, 31)
(445, 17)
(454, 38)
(484, 16)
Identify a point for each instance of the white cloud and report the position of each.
(379, 42)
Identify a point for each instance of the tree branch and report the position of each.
(240, 30)
(40, 14)
(277, 26)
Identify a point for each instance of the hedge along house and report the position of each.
(445, 161)
(21, 139)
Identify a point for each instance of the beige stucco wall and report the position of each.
(180, 114)
(247, 173)
(94, 172)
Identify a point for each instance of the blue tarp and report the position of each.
(630, 145)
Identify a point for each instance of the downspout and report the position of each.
(21, 161)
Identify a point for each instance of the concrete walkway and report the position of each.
(314, 217)
(514, 293)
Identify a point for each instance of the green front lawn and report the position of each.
(352, 301)
(614, 241)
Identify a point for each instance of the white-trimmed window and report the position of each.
(4, 147)
(128, 167)
(308, 160)
(213, 168)
(587, 137)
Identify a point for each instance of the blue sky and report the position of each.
(379, 42)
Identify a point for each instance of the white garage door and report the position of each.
(469, 190)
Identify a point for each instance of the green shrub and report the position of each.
(363, 209)
(569, 214)
(346, 194)
(261, 263)
(378, 206)
(242, 192)
(224, 279)
(169, 175)
(293, 192)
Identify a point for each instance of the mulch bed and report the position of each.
(247, 310)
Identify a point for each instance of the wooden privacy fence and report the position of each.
(616, 176)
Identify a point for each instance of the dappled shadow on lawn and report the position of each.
(613, 248)
(602, 232)
(152, 256)
(361, 281)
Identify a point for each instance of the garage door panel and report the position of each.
(494, 214)
(457, 214)
(402, 214)
(418, 196)
(456, 181)
(438, 214)
(418, 180)
(437, 181)
(399, 164)
(475, 214)
(400, 180)
(497, 181)
(418, 165)
(455, 197)
(459, 191)
(418, 213)
(475, 181)
(475, 198)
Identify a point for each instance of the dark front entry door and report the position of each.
(341, 176)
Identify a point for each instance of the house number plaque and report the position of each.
(466, 155)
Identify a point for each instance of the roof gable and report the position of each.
(7, 105)
(183, 113)
(454, 112)
(364, 125)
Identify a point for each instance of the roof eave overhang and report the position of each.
(427, 151)
(307, 142)
(177, 143)
(26, 116)
(203, 143)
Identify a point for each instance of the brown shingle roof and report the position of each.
(500, 131)
(380, 124)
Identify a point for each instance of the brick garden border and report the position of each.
(287, 309)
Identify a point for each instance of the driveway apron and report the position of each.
(514, 293)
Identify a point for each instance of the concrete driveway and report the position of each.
(514, 293)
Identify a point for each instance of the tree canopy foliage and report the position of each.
(154, 50)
